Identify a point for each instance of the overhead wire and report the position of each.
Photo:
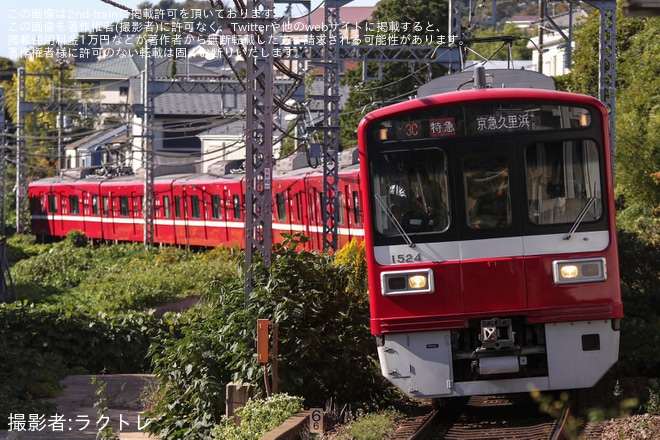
(279, 101)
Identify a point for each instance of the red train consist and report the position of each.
(491, 241)
(192, 209)
(488, 217)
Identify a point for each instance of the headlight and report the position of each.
(579, 271)
(396, 283)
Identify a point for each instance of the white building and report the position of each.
(554, 55)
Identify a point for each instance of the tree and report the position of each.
(396, 22)
(496, 50)
(637, 145)
(638, 123)
(42, 85)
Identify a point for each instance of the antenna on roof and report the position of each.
(480, 77)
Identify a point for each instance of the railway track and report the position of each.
(483, 417)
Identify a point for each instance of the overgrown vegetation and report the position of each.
(325, 349)
(370, 426)
(258, 417)
(100, 301)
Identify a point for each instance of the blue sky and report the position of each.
(26, 22)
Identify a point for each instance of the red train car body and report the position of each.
(192, 209)
(491, 241)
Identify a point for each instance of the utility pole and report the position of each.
(259, 140)
(3, 165)
(148, 144)
(330, 128)
(20, 154)
(60, 153)
(541, 22)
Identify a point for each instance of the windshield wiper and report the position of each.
(395, 222)
(580, 217)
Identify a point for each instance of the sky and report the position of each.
(24, 23)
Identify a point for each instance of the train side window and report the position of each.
(237, 207)
(280, 202)
(194, 207)
(299, 207)
(177, 206)
(52, 204)
(562, 178)
(216, 207)
(124, 210)
(167, 213)
(341, 207)
(106, 206)
(487, 191)
(74, 205)
(95, 205)
(356, 208)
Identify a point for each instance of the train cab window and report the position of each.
(410, 192)
(280, 202)
(487, 192)
(74, 205)
(52, 204)
(195, 207)
(124, 209)
(563, 179)
(106, 206)
(237, 207)
(216, 207)
(177, 206)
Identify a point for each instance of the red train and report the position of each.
(488, 217)
(192, 209)
(491, 242)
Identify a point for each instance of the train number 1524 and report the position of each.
(406, 258)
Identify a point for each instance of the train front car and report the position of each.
(491, 243)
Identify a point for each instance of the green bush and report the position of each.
(325, 348)
(639, 256)
(27, 374)
(93, 344)
(370, 426)
(119, 277)
(259, 416)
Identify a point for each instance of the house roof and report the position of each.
(523, 19)
(100, 138)
(562, 20)
(194, 104)
(110, 68)
(124, 67)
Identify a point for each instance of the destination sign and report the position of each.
(481, 119)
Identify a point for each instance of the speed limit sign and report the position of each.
(316, 420)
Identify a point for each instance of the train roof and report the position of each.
(293, 166)
(496, 79)
(483, 95)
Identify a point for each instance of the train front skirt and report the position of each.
(421, 364)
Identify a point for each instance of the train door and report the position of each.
(489, 229)
(179, 211)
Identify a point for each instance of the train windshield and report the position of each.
(562, 179)
(487, 192)
(410, 192)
